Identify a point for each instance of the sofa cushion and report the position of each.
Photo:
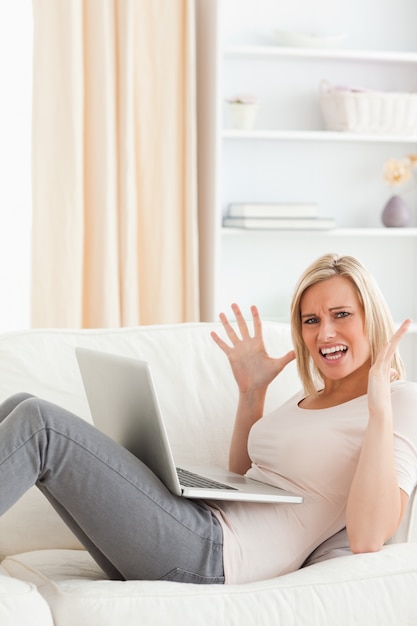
(335, 546)
(377, 587)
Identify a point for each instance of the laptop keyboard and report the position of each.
(189, 479)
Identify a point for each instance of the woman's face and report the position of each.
(333, 328)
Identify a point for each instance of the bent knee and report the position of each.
(19, 397)
(12, 402)
(32, 406)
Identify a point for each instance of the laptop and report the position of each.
(124, 405)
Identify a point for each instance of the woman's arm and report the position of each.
(249, 410)
(253, 370)
(376, 504)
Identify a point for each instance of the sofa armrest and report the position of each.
(407, 532)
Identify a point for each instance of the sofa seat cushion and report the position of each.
(21, 604)
(372, 589)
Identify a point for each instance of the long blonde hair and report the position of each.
(379, 326)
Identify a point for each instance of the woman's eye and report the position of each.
(311, 320)
(342, 314)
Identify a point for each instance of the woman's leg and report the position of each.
(130, 523)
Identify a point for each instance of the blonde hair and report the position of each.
(379, 326)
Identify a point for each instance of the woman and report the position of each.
(334, 442)
(347, 443)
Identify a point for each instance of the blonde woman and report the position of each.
(347, 442)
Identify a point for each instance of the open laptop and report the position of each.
(124, 405)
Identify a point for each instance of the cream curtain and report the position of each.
(114, 163)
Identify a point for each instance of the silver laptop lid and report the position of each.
(130, 414)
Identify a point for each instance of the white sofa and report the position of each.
(47, 578)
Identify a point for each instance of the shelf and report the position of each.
(337, 54)
(331, 232)
(316, 135)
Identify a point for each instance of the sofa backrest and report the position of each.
(192, 376)
(194, 382)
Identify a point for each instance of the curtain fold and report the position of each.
(114, 163)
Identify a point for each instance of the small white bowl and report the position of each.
(308, 40)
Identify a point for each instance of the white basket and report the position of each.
(368, 111)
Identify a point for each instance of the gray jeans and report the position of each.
(124, 516)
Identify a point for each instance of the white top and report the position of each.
(313, 453)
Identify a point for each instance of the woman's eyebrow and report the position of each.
(337, 308)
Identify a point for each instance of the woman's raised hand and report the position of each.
(251, 365)
(381, 373)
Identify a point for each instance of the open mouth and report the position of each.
(334, 353)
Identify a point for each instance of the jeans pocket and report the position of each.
(179, 575)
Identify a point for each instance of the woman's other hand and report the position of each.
(381, 373)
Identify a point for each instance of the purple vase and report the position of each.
(396, 213)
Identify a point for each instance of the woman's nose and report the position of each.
(326, 330)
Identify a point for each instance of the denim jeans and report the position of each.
(125, 517)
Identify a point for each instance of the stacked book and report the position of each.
(272, 215)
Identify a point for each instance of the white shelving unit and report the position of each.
(289, 157)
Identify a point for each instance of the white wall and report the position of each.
(15, 162)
